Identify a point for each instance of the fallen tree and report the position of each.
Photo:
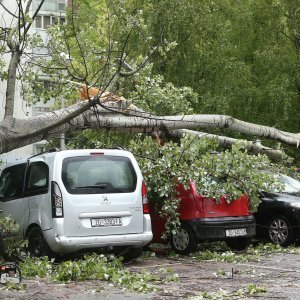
(106, 109)
(111, 111)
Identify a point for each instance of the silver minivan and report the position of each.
(72, 200)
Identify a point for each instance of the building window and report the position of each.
(61, 5)
(48, 85)
(47, 21)
(51, 5)
(42, 109)
(39, 149)
(38, 22)
(44, 21)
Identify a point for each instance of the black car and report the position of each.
(278, 214)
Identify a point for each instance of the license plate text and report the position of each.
(104, 222)
(236, 232)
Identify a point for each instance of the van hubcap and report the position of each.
(181, 239)
(278, 231)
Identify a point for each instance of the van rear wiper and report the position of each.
(101, 186)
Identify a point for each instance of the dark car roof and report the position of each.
(284, 197)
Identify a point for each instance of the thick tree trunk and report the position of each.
(11, 84)
(144, 122)
(120, 115)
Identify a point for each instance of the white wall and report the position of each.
(22, 110)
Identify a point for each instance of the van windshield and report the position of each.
(98, 174)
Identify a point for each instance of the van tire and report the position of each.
(185, 241)
(128, 253)
(133, 254)
(37, 245)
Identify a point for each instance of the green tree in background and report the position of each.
(215, 57)
(241, 57)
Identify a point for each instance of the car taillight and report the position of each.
(57, 201)
(145, 199)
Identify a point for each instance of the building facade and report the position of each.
(52, 11)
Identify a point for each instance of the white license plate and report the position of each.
(236, 232)
(104, 222)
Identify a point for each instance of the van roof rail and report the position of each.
(47, 151)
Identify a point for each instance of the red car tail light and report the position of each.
(145, 199)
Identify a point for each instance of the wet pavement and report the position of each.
(277, 273)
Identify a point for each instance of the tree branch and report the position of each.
(33, 16)
(8, 11)
(142, 65)
(226, 142)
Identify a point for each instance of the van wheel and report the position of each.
(132, 254)
(37, 245)
(128, 253)
(238, 244)
(185, 241)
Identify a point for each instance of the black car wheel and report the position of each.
(240, 243)
(280, 231)
(185, 241)
(37, 245)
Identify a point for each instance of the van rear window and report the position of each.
(98, 174)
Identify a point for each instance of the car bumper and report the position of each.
(216, 228)
(60, 243)
(63, 244)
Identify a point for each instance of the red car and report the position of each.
(203, 219)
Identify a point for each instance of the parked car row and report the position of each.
(76, 200)
(277, 219)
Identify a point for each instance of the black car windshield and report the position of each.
(97, 174)
(290, 185)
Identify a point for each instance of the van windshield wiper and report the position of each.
(101, 186)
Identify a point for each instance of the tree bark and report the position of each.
(11, 84)
(118, 114)
(144, 122)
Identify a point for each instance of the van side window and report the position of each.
(11, 182)
(37, 180)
